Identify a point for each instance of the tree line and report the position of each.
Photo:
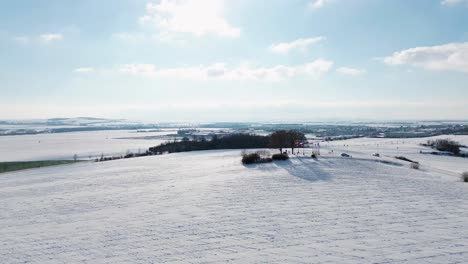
(279, 139)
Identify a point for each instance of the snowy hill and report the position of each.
(206, 207)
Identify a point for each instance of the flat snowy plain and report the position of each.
(206, 207)
(84, 144)
(410, 148)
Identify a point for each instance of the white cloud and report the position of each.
(51, 37)
(453, 2)
(139, 69)
(130, 36)
(142, 37)
(46, 38)
(318, 3)
(196, 17)
(350, 71)
(286, 47)
(84, 70)
(22, 40)
(448, 57)
(220, 71)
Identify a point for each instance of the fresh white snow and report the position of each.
(84, 144)
(410, 148)
(206, 207)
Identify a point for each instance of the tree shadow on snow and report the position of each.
(304, 168)
(269, 167)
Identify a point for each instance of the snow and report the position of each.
(84, 144)
(410, 148)
(206, 207)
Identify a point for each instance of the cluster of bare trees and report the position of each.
(286, 139)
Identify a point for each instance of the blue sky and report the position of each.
(234, 60)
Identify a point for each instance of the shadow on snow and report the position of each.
(302, 167)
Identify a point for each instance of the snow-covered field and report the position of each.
(84, 144)
(410, 148)
(205, 207)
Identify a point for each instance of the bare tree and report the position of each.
(278, 140)
(286, 139)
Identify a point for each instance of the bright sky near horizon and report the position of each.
(234, 60)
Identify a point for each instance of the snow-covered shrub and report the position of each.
(263, 153)
(250, 158)
(414, 165)
(255, 157)
(445, 145)
(405, 159)
(465, 176)
(280, 156)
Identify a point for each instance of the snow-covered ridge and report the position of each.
(205, 207)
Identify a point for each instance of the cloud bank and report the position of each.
(350, 71)
(195, 17)
(221, 71)
(448, 57)
(51, 37)
(301, 44)
(84, 70)
(453, 2)
(316, 4)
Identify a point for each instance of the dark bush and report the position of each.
(259, 156)
(263, 153)
(445, 145)
(414, 165)
(313, 156)
(465, 176)
(280, 156)
(250, 158)
(405, 159)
